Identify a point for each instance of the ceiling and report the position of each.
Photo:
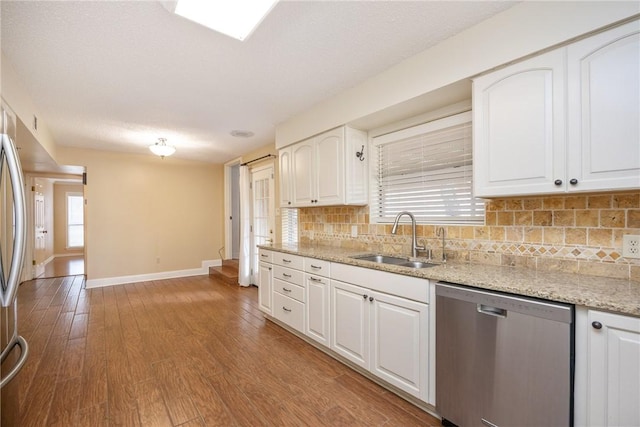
(117, 75)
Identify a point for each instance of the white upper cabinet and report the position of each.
(566, 120)
(324, 170)
(603, 75)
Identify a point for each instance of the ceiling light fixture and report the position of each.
(161, 148)
(241, 133)
(234, 18)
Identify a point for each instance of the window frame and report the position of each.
(411, 134)
(67, 224)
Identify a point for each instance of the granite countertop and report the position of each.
(615, 295)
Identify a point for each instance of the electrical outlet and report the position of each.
(631, 246)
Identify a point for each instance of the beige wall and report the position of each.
(60, 191)
(146, 215)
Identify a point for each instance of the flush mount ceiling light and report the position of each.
(161, 148)
(241, 133)
(234, 18)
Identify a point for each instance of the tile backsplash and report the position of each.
(577, 233)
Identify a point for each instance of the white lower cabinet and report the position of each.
(265, 283)
(384, 334)
(607, 369)
(318, 321)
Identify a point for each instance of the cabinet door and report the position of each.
(302, 171)
(265, 287)
(317, 307)
(400, 339)
(285, 177)
(613, 370)
(519, 128)
(603, 74)
(350, 322)
(330, 167)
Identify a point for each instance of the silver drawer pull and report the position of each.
(286, 260)
(264, 255)
(313, 279)
(288, 310)
(316, 267)
(492, 311)
(286, 275)
(286, 290)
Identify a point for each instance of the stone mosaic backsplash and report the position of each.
(577, 233)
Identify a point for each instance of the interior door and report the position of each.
(40, 243)
(263, 214)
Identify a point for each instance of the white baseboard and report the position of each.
(66, 254)
(121, 280)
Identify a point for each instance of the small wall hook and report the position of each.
(360, 154)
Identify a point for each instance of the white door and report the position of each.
(399, 347)
(265, 287)
(303, 173)
(330, 163)
(613, 370)
(350, 322)
(40, 243)
(263, 214)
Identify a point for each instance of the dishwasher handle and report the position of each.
(492, 311)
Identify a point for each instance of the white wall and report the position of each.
(517, 32)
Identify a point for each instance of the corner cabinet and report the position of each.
(324, 170)
(607, 369)
(566, 120)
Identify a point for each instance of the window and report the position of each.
(289, 225)
(427, 170)
(75, 220)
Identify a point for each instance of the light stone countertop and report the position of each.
(615, 295)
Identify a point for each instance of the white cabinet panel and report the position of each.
(350, 322)
(303, 173)
(400, 342)
(613, 385)
(519, 128)
(604, 109)
(265, 287)
(318, 312)
(330, 163)
(285, 177)
(289, 311)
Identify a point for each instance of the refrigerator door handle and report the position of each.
(24, 353)
(20, 235)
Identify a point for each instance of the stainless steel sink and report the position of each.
(417, 264)
(381, 259)
(402, 262)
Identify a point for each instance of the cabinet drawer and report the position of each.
(288, 260)
(266, 256)
(289, 289)
(288, 311)
(317, 266)
(288, 275)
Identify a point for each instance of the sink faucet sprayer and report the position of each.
(414, 244)
(441, 233)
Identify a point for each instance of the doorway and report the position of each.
(56, 241)
(232, 210)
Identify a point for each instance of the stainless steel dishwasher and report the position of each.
(502, 360)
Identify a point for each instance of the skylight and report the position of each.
(234, 18)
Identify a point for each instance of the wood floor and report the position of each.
(181, 352)
(64, 266)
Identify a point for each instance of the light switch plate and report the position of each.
(631, 246)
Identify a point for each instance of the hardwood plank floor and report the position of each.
(181, 352)
(64, 266)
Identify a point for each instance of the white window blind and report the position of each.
(289, 225)
(427, 170)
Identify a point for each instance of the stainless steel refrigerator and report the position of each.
(13, 223)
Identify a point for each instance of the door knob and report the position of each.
(596, 325)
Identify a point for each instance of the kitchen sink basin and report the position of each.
(382, 259)
(402, 262)
(417, 264)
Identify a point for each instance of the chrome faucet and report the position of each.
(414, 244)
(441, 233)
